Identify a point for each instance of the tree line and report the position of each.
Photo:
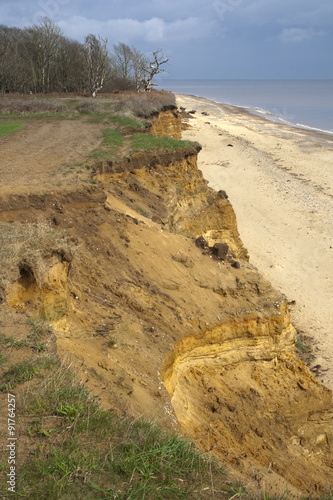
(40, 59)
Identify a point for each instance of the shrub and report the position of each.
(146, 104)
(31, 106)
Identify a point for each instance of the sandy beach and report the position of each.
(280, 183)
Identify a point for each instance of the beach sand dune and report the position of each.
(280, 182)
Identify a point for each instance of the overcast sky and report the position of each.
(203, 38)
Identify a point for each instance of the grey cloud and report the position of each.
(299, 34)
(150, 30)
(285, 12)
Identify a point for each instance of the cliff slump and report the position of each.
(249, 337)
(269, 421)
(171, 190)
(167, 123)
(163, 328)
(241, 393)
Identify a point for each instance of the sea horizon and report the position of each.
(303, 103)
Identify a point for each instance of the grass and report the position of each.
(112, 138)
(7, 128)
(127, 123)
(11, 342)
(23, 371)
(124, 118)
(299, 344)
(98, 117)
(74, 449)
(111, 343)
(43, 115)
(77, 449)
(38, 328)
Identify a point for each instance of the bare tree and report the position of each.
(129, 66)
(122, 61)
(154, 68)
(140, 64)
(133, 68)
(43, 43)
(72, 68)
(97, 62)
(7, 59)
(15, 66)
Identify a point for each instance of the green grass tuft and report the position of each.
(112, 138)
(24, 371)
(7, 128)
(38, 327)
(299, 345)
(11, 342)
(112, 142)
(127, 123)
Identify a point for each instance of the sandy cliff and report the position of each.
(159, 325)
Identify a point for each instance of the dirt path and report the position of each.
(47, 153)
(279, 181)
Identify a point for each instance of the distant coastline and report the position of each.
(306, 104)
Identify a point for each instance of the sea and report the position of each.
(301, 103)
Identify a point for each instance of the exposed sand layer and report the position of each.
(280, 183)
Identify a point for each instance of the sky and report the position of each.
(231, 39)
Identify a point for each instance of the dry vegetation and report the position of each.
(24, 249)
(138, 104)
(30, 106)
(146, 104)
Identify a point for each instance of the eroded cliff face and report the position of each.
(169, 189)
(240, 391)
(163, 328)
(167, 123)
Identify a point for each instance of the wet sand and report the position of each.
(279, 180)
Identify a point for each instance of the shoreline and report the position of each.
(278, 179)
(263, 114)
